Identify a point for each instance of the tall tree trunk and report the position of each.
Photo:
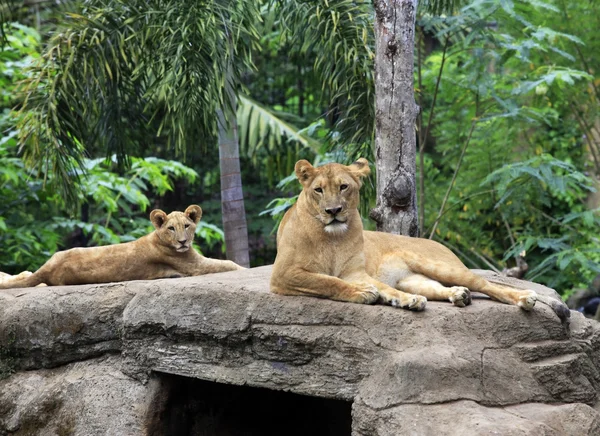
(395, 115)
(232, 196)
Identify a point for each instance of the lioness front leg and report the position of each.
(418, 284)
(325, 286)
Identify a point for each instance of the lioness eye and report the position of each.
(171, 228)
(343, 187)
(187, 225)
(319, 190)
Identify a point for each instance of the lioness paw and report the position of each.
(413, 302)
(417, 302)
(365, 294)
(526, 302)
(460, 296)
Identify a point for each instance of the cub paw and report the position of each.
(460, 296)
(365, 294)
(526, 302)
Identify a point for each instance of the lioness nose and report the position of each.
(333, 210)
(182, 241)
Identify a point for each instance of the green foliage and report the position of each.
(508, 129)
(338, 37)
(504, 156)
(268, 139)
(504, 98)
(112, 204)
(570, 242)
(117, 74)
(115, 205)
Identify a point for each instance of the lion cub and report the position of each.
(167, 252)
(322, 251)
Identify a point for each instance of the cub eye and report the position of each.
(343, 187)
(171, 228)
(187, 225)
(319, 190)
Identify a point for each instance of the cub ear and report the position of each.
(194, 213)
(360, 167)
(304, 171)
(158, 218)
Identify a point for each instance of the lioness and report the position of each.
(323, 251)
(167, 252)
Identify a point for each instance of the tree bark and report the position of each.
(232, 196)
(395, 116)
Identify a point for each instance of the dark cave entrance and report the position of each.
(185, 406)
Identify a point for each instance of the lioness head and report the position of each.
(332, 191)
(178, 228)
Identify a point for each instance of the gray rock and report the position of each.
(488, 368)
(92, 397)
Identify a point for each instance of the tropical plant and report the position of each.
(113, 203)
(117, 75)
(496, 85)
(496, 101)
(504, 88)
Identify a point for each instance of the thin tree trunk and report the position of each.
(232, 196)
(395, 115)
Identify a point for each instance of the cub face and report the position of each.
(178, 228)
(332, 191)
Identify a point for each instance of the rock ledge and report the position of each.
(83, 359)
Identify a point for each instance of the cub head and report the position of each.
(332, 191)
(177, 229)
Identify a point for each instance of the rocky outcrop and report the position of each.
(488, 368)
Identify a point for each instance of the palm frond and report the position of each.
(7, 13)
(260, 127)
(439, 7)
(343, 33)
(121, 73)
(266, 137)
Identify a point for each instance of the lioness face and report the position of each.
(332, 191)
(178, 228)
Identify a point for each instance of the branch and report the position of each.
(588, 136)
(460, 159)
(458, 251)
(462, 200)
(425, 136)
(484, 260)
(420, 130)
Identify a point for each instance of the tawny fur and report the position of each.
(167, 252)
(323, 251)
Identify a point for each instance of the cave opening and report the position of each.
(184, 406)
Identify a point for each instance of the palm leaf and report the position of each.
(339, 36)
(119, 74)
(261, 127)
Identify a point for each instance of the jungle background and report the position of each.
(108, 110)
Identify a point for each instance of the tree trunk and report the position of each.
(395, 115)
(232, 196)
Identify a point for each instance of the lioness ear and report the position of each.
(304, 171)
(158, 218)
(194, 213)
(360, 167)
